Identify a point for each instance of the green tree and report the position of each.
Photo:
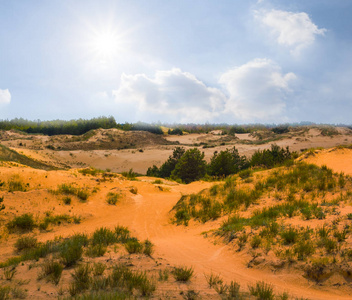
(191, 166)
(227, 162)
(167, 167)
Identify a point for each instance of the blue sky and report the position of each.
(233, 61)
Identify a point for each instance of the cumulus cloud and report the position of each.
(173, 94)
(294, 30)
(257, 90)
(5, 96)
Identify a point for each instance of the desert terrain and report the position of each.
(69, 188)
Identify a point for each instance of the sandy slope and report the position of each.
(149, 149)
(147, 216)
(340, 160)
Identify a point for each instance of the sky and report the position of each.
(184, 61)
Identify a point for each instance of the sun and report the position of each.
(105, 44)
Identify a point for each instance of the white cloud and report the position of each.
(294, 30)
(174, 95)
(5, 96)
(257, 90)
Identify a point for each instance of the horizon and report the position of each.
(240, 63)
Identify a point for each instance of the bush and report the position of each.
(25, 243)
(96, 250)
(98, 268)
(262, 291)
(112, 198)
(16, 184)
(67, 200)
(133, 246)
(269, 158)
(289, 235)
(103, 236)
(122, 234)
(148, 247)
(81, 277)
(129, 175)
(71, 251)
(52, 270)
(183, 274)
(24, 223)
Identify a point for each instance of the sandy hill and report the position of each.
(120, 151)
(103, 206)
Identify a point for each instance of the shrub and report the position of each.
(234, 291)
(158, 181)
(112, 198)
(52, 270)
(9, 272)
(67, 200)
(96, 250)
(82, 194)
(103, 236)
(289, 235)
(81, 277)
(133, 246)
(130, 175)
(245, 174)
(16, 184)
(256, 241)
(164, 275)
(213, 279)
(122, 234)
(4, 292)
(98, 268)
(262, 291)
(182, 273)
(24, 222)
(304, 249)
(71, 251)
(148, 247)
(25, 243)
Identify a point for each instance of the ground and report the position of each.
(145, 207)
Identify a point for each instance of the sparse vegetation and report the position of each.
(22, 223)
(26, 243)
(70, 189)
(112, 198)
(182, 273)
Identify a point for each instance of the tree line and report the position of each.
(74, 127)
(188, 166)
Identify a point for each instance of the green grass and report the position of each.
(130, 175)
(182, 273)
(16, 184)
(25, 243)
(55, 220)
(70, 189)
(51, 270)
(262, 291)
(112, 198)
(7, 154)
(134, 246)
(23, 223)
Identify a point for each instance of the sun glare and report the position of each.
(105, 45)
